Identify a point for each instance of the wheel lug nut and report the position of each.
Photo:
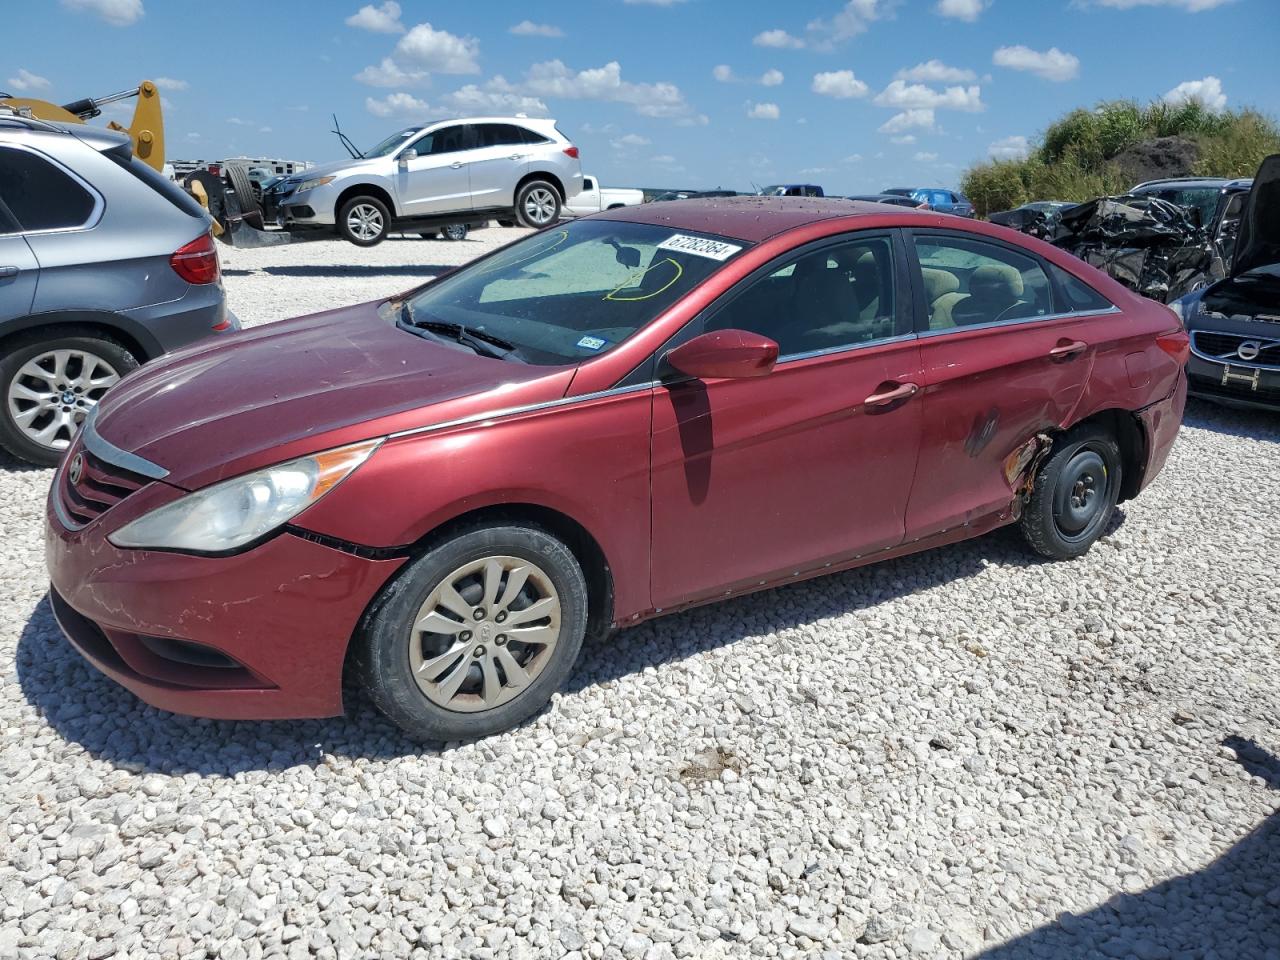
(479, 652)
(465, 635)
(479, 613)
(499, 618)
(500, 639)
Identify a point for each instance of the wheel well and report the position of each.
(364, 190)
(595, 567)
(56, 328)
(1129, 434)
(615, 206)
(551, 178)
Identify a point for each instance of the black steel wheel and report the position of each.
(1074, 493)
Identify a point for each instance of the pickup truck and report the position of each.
(593, 198)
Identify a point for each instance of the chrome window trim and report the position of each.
(845, 348)
(95, 215)
(109, 453)
(505, 412)
(1045, 318)
(1237, 362)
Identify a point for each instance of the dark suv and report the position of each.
(938, 199)
(1216, 204)
(104, 264)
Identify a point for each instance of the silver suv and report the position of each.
(505, 168)
(104, 264)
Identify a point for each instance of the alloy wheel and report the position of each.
(540, 206)
(484, 633)
(53, 392)
(364, 220)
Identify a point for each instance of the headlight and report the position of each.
(1178, 310)
(306, 185)
(234, 512)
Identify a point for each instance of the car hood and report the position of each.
(291, 388)
(1258, 242)
(334, 168)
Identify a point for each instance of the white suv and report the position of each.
(507, 168)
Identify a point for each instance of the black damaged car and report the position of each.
(1235, 322)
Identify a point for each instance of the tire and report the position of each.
(455, 684)
(455, 232)
(246, 196)
(506, 223)
(90, 364)
(364, 221)
(537, 204)
(1075, 494)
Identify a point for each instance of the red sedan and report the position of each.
(442, 494)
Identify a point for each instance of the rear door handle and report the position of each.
(457, 164)
(6, 272)
(883, 398)
(516, 156)
(1066, 349)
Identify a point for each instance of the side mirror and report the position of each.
(407, 155)
(725, 354)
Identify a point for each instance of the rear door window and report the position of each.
(40, 195)
(1077, 296)
(971, 282)
(497, 134)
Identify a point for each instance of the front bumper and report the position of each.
(315, 207)
(1238, 384)
(259, 635)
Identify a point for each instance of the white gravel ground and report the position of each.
(964, 753)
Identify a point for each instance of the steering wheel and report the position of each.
(1004, 314)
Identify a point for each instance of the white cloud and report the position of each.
(855, 17)
(653, 3)
(908, 138)
(1191, 6)
(527, 28)
(779, 39)
(853, 158)
(916, 96)
(264, 129)
(391, 74)
(194, 136)
(554, 79)
(398, 105)
(238, 122)
(908, 119)
(1009, 148)
(1208, 91)
(439, 50)
(168, 83)
(966, 10)
(772, 78)
(925, 157)
(384, 18)
(1052, 64)
(723, 72)
(26, 80)
(935, 71)
(763, 111)
(630, 140)
(841, 84)
(494, 98)
(665, 159)
(118, 13)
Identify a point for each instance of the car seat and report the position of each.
(993, 289)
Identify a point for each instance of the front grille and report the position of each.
(1226, 346)
(99, 488)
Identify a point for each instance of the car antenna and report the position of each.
(346, 141)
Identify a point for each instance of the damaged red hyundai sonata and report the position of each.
(440, 495)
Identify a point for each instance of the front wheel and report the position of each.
(537, 204)
(475, 636)
(49, 383)
(1074, 495)
(365, 221)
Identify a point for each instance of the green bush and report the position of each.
(1073, 160)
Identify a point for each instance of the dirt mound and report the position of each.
(1157, 159)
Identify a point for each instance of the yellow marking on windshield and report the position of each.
(561, 237)
(639, 278)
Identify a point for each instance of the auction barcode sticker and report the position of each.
(699, 246)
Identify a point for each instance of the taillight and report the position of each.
(1176, 345)
(572, 151)
(197, 261)
(214, 169)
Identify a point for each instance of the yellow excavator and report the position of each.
(146, 131)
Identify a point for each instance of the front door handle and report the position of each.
(7, 272)
(457, 164)
(1066, 349)
(884, 398)
(516, 156)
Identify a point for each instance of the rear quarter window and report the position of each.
(40, 195)
(1077, 295)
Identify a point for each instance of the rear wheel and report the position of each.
(475, 636)
(454, 231)
(49, 384)
(537, 204)
(1075, 494)
(365, 221)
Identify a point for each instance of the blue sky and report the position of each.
(854, 94)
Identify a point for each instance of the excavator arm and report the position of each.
(146, 130)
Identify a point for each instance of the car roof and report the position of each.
(750, 218)
(1175, 183)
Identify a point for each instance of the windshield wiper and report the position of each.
(486, 344)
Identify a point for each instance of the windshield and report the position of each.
(577, 291)
(1202, 199)
(394, 142)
